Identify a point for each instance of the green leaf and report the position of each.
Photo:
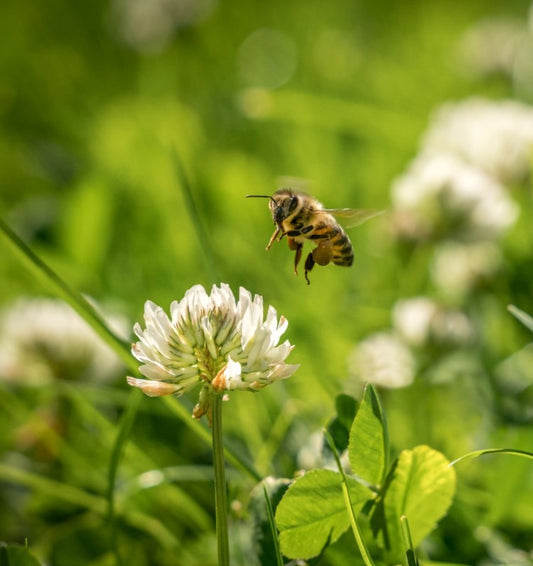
(346, 407)
(369, 443)
(312, 513)
(522, 316)
(339, 427)
(16, 555)
(421, 487)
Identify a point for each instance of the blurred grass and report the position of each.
(90, 121)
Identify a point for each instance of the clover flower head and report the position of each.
(495, 136)
(492, 46)
(43, 339)
(214, 340)
(458, 267)
(383, 359)
(421, 321)
(441, 194)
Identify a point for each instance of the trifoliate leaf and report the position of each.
(312, 513)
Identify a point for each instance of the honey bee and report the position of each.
(301, 217)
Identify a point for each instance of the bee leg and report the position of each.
(273, 238)
(309, 263)
(297, 246)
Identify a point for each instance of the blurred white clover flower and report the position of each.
(491, 45)
(43, 339)
(495, 136)
(383, 359)
(440, 194)
(149, 26)
(420, 320)
(210, 339)
(412, 319)
(457, 267)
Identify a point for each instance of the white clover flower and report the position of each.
(44, 339)
(420, 320)
(210, 339)
(412, 319)
(458, 267)
(491, 45)
(384, 360)
(495, 136)
(441, 194)
(149, 26)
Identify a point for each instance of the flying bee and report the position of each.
(301, 217)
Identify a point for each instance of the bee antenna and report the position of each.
(261, 196)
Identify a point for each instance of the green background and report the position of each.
(96, 101)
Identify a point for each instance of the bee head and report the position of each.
(282, 204)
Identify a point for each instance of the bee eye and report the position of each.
(293, 202)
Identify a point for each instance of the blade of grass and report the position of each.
(74, 298)
(412, 559)
(124, 427)
(203, 236)
(273, 530)
(191, 512)
(94, 503)
(78, 302)
(477, 453)
(522, 316)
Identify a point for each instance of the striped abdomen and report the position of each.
(340, 247)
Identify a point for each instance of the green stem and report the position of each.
(477, 453)
(412, 560)
(349, 507)
(221, 504)
(235, 459)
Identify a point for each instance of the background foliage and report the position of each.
(97, 100)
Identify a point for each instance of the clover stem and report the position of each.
(221, 505)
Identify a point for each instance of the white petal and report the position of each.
(283, 371)
(154, 388)
(232, 374)
(155, 371)
(245, 299)
(207, 329)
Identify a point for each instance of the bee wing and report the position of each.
(296, 183)
(351, 217)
